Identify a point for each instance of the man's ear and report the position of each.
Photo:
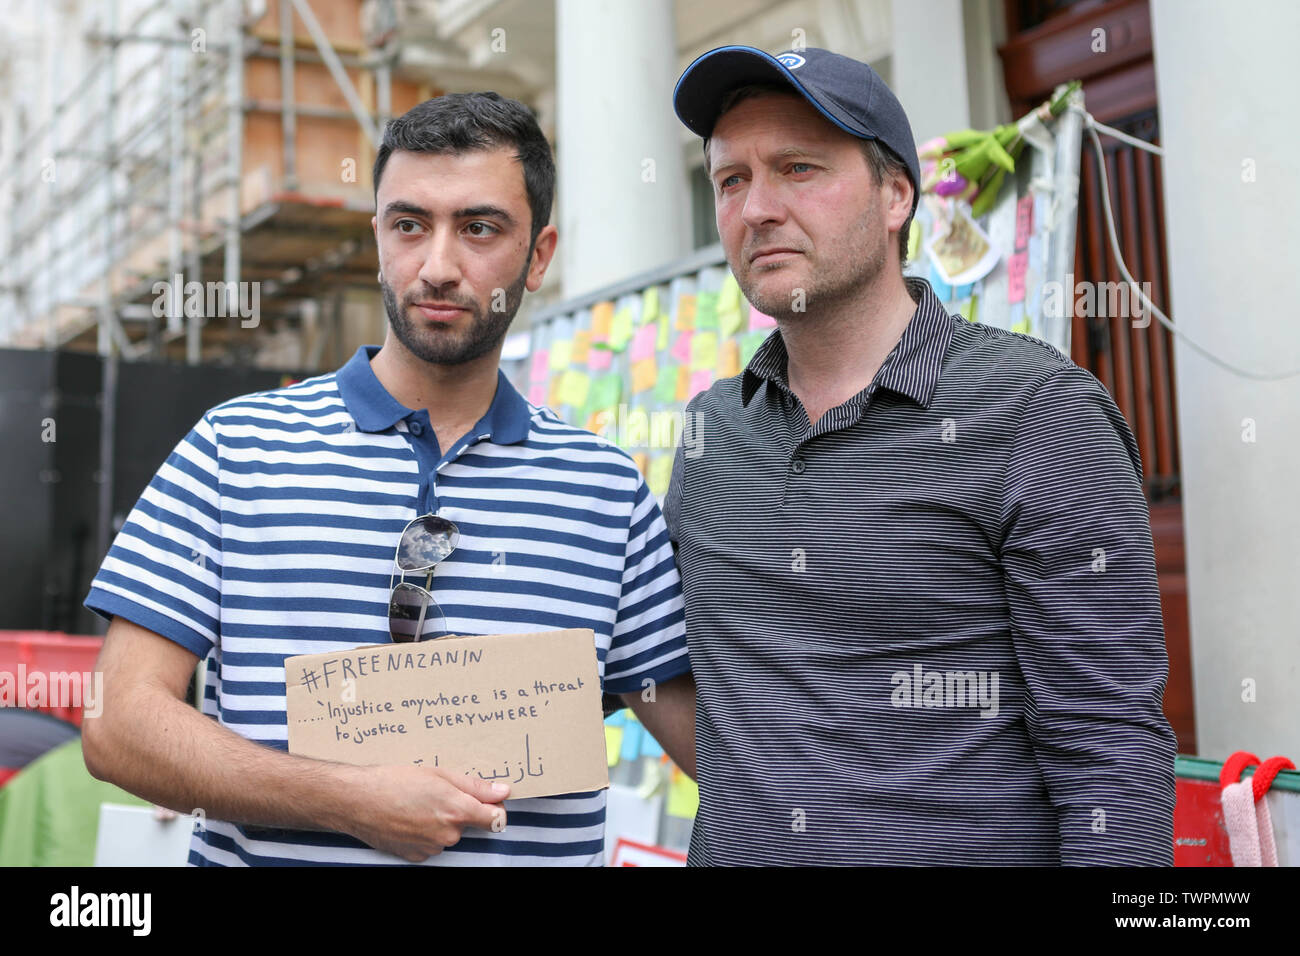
(543, 252)
(899, 197)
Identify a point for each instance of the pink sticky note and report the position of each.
(643, 343)
(599, 360)
(1024, 220)
(701, 380)
(541, 363)
(1016, 267)
(537, 394)
(757, 320)
(681, 350)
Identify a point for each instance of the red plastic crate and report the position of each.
(50, 652)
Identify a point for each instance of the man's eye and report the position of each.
(729, 181)
(481, 229)
(800, 167)
(406, 222)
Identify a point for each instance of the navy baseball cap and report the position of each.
(848, 93)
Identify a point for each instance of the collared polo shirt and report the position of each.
(925, 629)
(271, 531)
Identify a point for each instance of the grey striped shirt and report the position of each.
(927, 629)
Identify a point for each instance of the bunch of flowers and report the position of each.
(971, 164)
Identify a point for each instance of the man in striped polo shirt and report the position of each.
(921, 598)
(271, 531)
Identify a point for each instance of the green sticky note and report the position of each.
(665, 330)
(683, 796)
(650, 305)
(665, 391)
(606, 391)
(706, 310)
(749, 343)
(620, 330)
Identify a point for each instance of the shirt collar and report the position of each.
(373, 409)
(912, 369)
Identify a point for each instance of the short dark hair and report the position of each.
(881, 160)
(462, 122)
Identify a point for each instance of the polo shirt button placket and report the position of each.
(798, 466)
(417, 429)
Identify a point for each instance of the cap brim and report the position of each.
(699, 93)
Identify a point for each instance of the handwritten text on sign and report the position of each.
(520, 708)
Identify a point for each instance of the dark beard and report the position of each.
(441, 347)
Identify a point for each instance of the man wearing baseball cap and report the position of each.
(921, 594)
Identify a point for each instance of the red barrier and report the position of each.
(26, 653)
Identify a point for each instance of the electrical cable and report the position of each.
(1092, 127)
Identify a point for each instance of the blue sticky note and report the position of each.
(632, 734)
(650, 747)
(616, 719)
(942, 290)
(1036, 255)
(1034, 304)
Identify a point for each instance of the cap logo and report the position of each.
(791, 61)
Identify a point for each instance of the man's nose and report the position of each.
(441, 265)
(763, 203)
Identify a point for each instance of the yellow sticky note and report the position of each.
(561, 355)
(729, 359)
(729, 294)
(730, 321)
(683, 795)
(554, 393)
(650, 305)
(575, 388)
(704, 351)
(581, 346)
(620, 329)
(613, 744)
(661, 473)
(642, 461)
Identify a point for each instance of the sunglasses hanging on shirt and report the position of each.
(413, 614)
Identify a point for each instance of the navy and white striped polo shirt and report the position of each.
(270, 531)
(925, 629)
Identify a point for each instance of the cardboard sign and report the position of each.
(523, 709)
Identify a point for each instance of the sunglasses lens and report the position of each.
(404, 609)
(425, 542)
